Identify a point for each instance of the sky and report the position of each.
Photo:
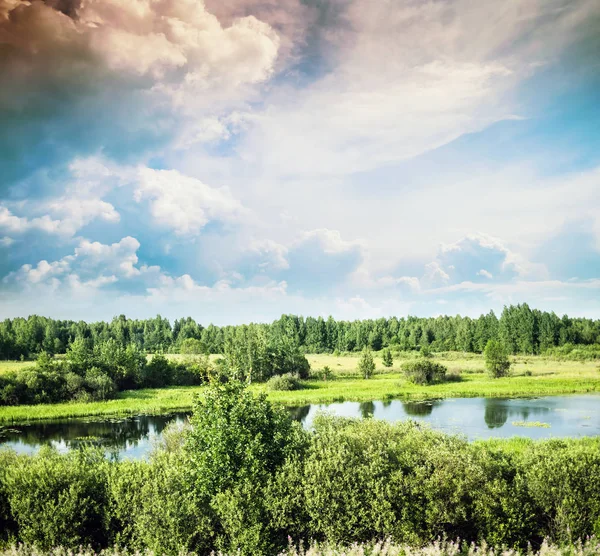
(234, 160)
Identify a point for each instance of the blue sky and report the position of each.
(239, 159)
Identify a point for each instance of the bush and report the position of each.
(157, 373)
(58, 499)
(323, 374)
(496, 359)
(423, 371)
(284, 382)
(387, 358)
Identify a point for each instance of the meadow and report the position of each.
(530, 376)
(10, 366)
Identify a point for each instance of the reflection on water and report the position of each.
(496, 413)
(474, 418)
(367, 409)
(126, 437)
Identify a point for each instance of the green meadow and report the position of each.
(530, 376)
(8, 366)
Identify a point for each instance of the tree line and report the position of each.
(245, 479)
(521, 329)
(94, 371)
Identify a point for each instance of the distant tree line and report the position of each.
(521, 329)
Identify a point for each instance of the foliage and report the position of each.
(284, 382)
(522, 329)
(496, 359)
(192, 346)
(244, 477)
(323, 374)
(97, 374)
(386, 358)
(366, 364)
(572, 352)
(424, 371)
(57, 499)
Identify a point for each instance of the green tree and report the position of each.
(387, 358)
(366, 365)
(237, 442)
(496, 359)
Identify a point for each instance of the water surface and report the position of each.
(475, 418)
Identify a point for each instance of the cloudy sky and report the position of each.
(239, 159)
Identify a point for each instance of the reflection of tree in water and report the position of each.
(496, 413)
(386, 403)
(367, 409)
(299, 413)
(112, 433)
(418, 409)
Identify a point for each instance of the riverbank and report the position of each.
(531, 376)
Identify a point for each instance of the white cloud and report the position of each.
(20, 224)
(183, 203)
(174, 41)
(92, 265)
(406, 78)
(434, 273)
(330, 240)
(485, 273)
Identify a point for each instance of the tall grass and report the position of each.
(590, 547)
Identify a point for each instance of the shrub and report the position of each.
(58, 499)
(387, 358)
(496, 359)
(424, 371)
(284, 382)
(157, 372)
(323, 374)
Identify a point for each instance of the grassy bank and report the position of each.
(531, 376)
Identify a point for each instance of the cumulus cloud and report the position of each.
(17, 224)
(183, 203)
(479, 255)
(108, 73)
(92, 265)
(321, 259)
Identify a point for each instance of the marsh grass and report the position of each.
(531, 424)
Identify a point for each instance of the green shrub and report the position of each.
(59, 500)
(284, 383)
(322, 374)
(423, 371)
(387, 358)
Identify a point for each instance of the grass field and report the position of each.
(7, 366)
(531, 376)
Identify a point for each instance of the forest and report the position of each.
(522, 330)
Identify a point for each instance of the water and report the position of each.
(475, 418)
